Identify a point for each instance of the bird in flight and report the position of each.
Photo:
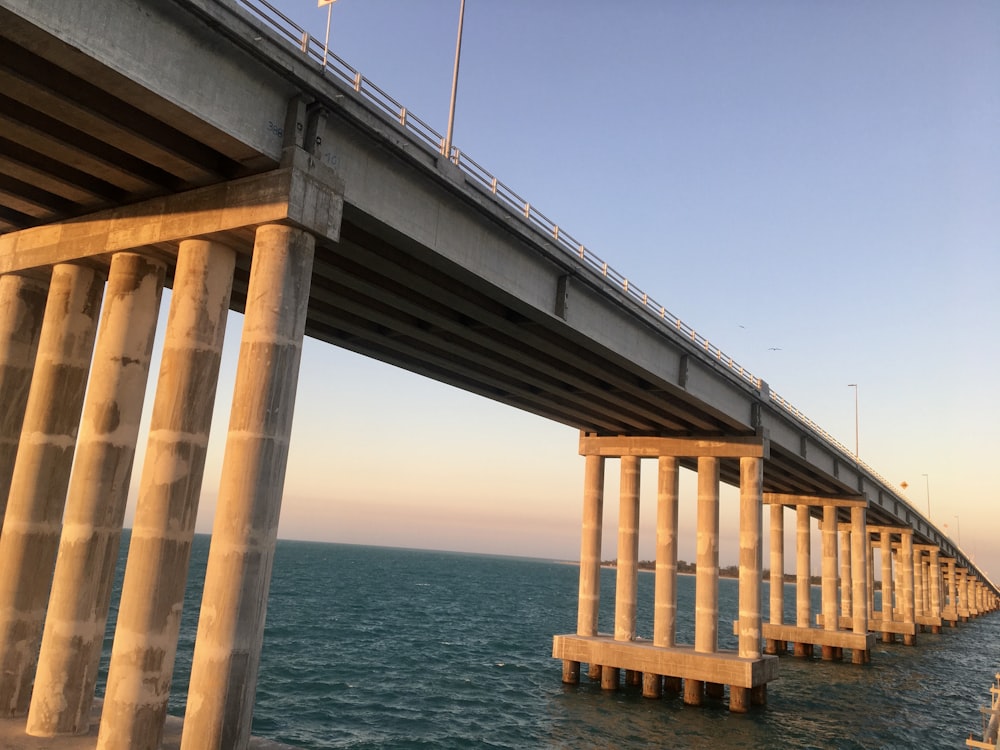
(774, 348)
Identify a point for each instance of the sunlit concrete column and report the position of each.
(145, 645)
(777, 594)
(919, 584)
(231, 624)
(751, 568)
(706, 614)
(803, 553)
(860, 550)
(870, 567)
(665, 584)
(627, 574)
(22, 307)
(935, 587)
(953, 591)
(589, 597)
(963, 593)
(95, 504)
(885, 546)
(41, 474)
(908, 603)
(846, 583)
(828, 572)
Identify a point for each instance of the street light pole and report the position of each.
(454, 83)
(928, 481)
(326, 39)
(855, 387)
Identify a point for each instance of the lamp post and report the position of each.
(454, 83)
(326, 39)
(958, 529)
(855, 387)
(928, 482)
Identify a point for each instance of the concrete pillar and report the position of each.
(803, 553)
(751, 509)
(41, 474)
(589, 598)
(953, 590)
(828, 544)
(935, 585)
(231, 624)
(777, 609)
(860, 550)
(885, 546)
(963, 593)
(919, 584)
(145, 645)
(908, 603)
(22, 306)
(870, 567)
(665, 585)
(95, 505)
(846, 582)
(706, 615)
(627, 573)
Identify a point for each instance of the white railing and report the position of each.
(394, 111)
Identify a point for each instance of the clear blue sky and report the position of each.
(822, 178)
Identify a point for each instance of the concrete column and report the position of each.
(751, 565)
(870, 561)
(41, 474)
(935, 586)
(963, 593)
(828, 543)
(145, 645)
(706, 614)
(885, 545)
(846, 582)
(803, 553)
(234, 604)
(665, 594)
(22, 306)
(860, 550)
(627, 573)
(589, 597)
(919, 583)
(777, 574)
(953, 590)
(95, 505)
(908, 604)
(590, 546)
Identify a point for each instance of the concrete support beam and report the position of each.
(145, 645)
(908, 598)
(888, 584)
(846, 581)
(22, 306)
(293, 195)
(231, 624)
(73, 637)
(627, 569)
(41, 475)
(653, 447)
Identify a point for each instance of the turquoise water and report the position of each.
(370, 647)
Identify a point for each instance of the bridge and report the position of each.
(202, 145)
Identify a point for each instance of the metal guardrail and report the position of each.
(333, 65)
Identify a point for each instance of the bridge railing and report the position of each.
(394, 111)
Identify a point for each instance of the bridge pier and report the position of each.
(53, 610)
(663, 664)
(835, 630)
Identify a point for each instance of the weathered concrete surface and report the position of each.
(12, 736)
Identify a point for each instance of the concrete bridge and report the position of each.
(201, 145)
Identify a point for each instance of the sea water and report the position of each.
(369, 647)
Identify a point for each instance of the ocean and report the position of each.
(371, 647)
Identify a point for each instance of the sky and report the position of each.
(815, 187)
